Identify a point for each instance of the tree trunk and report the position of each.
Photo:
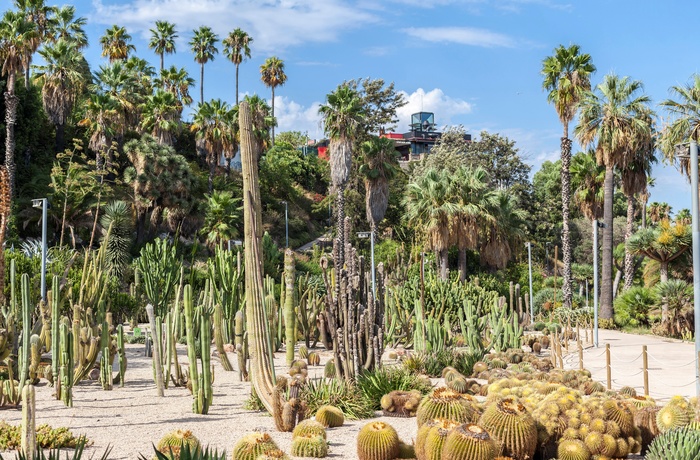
(212, 170)
(274, 122)
(616, 283)
(629, 258)
(60, 137)
(462, 264)
(11, 103)
(161, 69)
(565, 200)
(663, 277)
(261, 365)
(606, 291)
(443, 263)
(644, 214)
(237, 84)
(201, 84)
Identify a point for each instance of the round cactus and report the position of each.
(171, 443)
(447, 403)
(273, 454)
(309, 445)
(672, 416)
(330, 416)
(377, 441)
(434, 441)
(645, 420)
(620, 413)
(309, 427)
(423, 431)
(512, 426)
(329, 370)
(447, 370)
(406, 450)
(303, 352)
(537, 348)
(469, 442)
(628, 391)
(458, 384)
(314, 359)
(252, 445)
(573, 449)
(400, 403)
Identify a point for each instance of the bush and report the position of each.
(632, 307)
(344, 395)
(377, 383)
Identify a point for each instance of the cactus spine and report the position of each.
(28, 421)
(289, 316)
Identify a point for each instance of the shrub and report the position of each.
(632, 306)
(344, 395)
(46, 437)
(377, 383)
(432, 363)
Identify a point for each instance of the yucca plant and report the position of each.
(186, 453)
(377, 383)
(339, 393)
(117, 227)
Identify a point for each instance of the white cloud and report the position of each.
(292, 116)
(462, 35)
(443, 106)
(273, 24)
(514, 6)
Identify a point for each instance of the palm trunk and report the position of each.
(274, 122)
(462, 264)
(237, 84)
(565, 200)
(443, 263)
(60, 137)
(644, 213)
(201, 84)
(261, 365)
(616, 283)
(606, 297)
(11, 103)
(26, 78)
(629, 258)
(161, 69)
(212, 170)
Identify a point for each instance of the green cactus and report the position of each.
(469, 442)
(509, 423)
(446, 403)
(121, 350)
(309, 445)
(289, 315)
(241, 345)
(377, 441)
(309, 427)
(28, 421)
(172, 443)
(330, 416)
(252, 445)
(55, 323)
(106, 370)
(64, 385)
(24, 352)
(678, 444)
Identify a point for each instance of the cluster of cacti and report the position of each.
(252, 446)
(200, 379)
(454, 380)
(377, 441)
(288, 408)
(401, 403)
(330, 416)
(173, 442)
(309, 445)
(678, 444)
(448, 404)
(677, 413)
(299, 368)
(538, 343)
(512, 426)
(314, 359)
(505, 330)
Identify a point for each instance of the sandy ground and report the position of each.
(131, 418)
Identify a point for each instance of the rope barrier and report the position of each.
(597, 356)
(672, 367)
(624, 362)
(665, 384)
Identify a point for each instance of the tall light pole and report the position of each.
(696, 255)
(596, 224)
(286, 221)
(43, 203)
(529, 266)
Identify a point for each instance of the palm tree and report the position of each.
(215, 127)
(203, 46)
(430, 207)
(160, 116)
(658, 212)
(612, 117)
(178, 83)
(222, 218)
(65, 26)
(163, 40)
(342, 113)
(38, 13)
(587, 179)
(17, 35)
(101, 114)
(120, 85)
(379, 166)
(685, 125)
(115, 44)
(505, 233)
(262, 121)
(684, 216)
(62, 81)
(644, 198)
(567, 76)
(272, 75)
(237, 49)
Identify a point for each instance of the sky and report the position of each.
(474, 63)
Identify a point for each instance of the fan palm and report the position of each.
(379, 166)
(685, 125)
(163, 40)
(160, 116)
(203, 45)
(62, 81)
(342, 113)
(17, 36)
(587, 178)
(115, 44)
(272, 75)
(237, 49)
(40, 14)
(214, 125)
(262, 121)
(223, 218)
(100, 117)
(612, 117)
(658, 211)
(178, 83)
(566, 78)
(505, 232)
(65, 26)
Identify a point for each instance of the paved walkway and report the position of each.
(671, 363)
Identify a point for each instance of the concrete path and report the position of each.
(671, 363)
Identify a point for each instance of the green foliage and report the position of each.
(272, 257)
(342, 394)
(375, 384)
(185, 452)
(223, 218)
(46, 437)
(680, 444)
(159, 268)
(117, 228)
(632, 306)
(55, 454)
(432, 363)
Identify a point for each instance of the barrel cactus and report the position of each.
(512, 426)
(377, 441)
(171, 443)
(309, 427)
(573, 449)
(330, 416)
(252, 445)
(447, 403)
(424, 431)
(469, 442)
(309, 445)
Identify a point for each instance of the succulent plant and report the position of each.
(330, 416)
(509, 423)
(672, 416)
(329, 369)
(424, 430)
(458, 384)
(303, 352)
(309, 427)
(401, 403)
(252, 445)
(645, 420)
(447, 370)
(537, 348)
(309, 445)
(172, 442)
(273, 454)
(406, 450)
(314, 359)
(469, 442)
(572, 449)
(678, 444)
(447, 403)
(377, 441)
(628, 391)
(620, 413)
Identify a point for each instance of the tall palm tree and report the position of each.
(272, 75)
(17, 35)
(160, 116)
(262, 120)
(37, 12)
(215, 127)
(115, 44)
(65, 26)
(62, 80)
(567, 76)
(379, 166)
(658, 212)
(505, 232)
(100, 117)
(342, 114)
(203, 45)
(117, 82)
(685, 123)
(611, 118)
(587, 180)
(644, 198)
(237, 49)
(163, 40)
(178, 83)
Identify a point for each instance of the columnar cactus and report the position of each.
(289, 315)
(28, 421)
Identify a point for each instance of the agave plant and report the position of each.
(186, 453)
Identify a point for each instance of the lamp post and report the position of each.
(529, 266)
(596, 225)
(43, 203)
(370, 235)
(696, 255)
(286, 221)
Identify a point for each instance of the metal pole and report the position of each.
(44, 245)
(529, 265)
(595, 282)
(696, 254)
(374, 286)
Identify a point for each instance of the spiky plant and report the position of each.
(679, 444)
(377, 441)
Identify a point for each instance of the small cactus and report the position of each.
(330, 416)
(309, 445)
(377, 441)
(171, 443)
(309, 427)
(252, 445)
(314, 359)
(303, 352)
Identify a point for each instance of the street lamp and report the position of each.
(286, 221)
(596, 225)
(529, 266)
(43, 203)
(370, 235)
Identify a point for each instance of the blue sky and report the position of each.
(472, 62)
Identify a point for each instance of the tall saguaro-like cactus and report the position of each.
(289, 314)
(261, 366)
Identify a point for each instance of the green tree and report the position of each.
(380, 102)
(160, 116)
(505, 232)
(100, 117)
(40, 14)
(178, 83)
(65, 26)
(566, 78)
(658, 212)
(272, 75)
(378, 166)
(116, 44)
(117, 228)
(295, 139)
(223, 218)
(215, 125)
(587, 179)
(237, 49)
(203, 45)
(162, 41)
(610, 118)
(685, 123)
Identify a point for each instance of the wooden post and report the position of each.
(607, 365)
(553, 348)
(580, 353)
(645, 367)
